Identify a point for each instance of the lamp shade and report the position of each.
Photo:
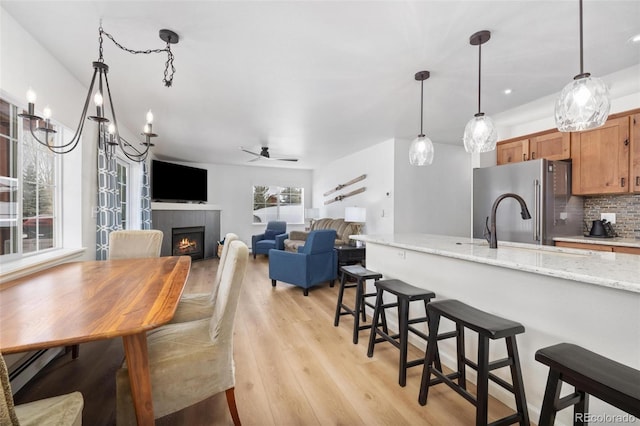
(421, 151)
(583, 104)
(355, 214)
(480, 134)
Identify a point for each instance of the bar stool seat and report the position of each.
(488, 326)
(405, 294)
(590, 374)
(361, 275)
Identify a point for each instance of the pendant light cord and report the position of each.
(479, 74)
(581, 43)
(421, 105)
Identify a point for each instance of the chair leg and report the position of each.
(429, 358)
(233, 409)
(482, 385)
(374, 323)
(336, 320)
(306, 291)
(273, 283)
(516, 379)
(551, 396)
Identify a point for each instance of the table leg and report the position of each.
(135, 349)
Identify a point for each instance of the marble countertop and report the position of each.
(617, 241)
(615, 270)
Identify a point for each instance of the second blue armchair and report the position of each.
(272, 238)
(316, 262)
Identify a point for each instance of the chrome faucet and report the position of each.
(490, 234)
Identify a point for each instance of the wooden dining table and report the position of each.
(80, 302)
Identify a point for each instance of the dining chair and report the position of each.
(130, 244)
(192, 361)
(197, 306)
(60, 410)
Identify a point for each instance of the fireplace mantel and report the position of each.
(166, 216)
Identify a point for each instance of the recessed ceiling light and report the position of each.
(507, 91)
(635, 39)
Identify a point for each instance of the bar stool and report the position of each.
(590, 374)
(487, 326)
(361, 275)
(405, 294)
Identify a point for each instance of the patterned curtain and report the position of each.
(108, 204)
(145, 208)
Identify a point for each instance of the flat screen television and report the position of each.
(178, 183)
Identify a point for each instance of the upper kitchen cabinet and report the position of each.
(512, 151)
(634, 175)
(552, 146)
(601, 158)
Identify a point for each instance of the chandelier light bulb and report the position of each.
(111, 129)
(149, 117)
(46, 112)
(147, 128)
(97, 99)
(480, 134)
(31, 96)
(421, 151)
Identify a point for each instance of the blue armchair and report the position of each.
(272, 238)
(316, 262)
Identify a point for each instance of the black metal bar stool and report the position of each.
(405, 294)
(487, 326)
(361, 275)
(590, 374)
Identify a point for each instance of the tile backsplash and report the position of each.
(626, 208)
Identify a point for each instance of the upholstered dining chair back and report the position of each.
(192, 361)
(228, 239)
(129, 244)
(59, 411)
(224, 309)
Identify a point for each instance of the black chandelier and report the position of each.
(108, 132)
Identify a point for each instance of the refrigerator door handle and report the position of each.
(536, 210)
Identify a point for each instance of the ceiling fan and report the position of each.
(264, 154)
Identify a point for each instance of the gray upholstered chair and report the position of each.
(192, 361)
(60, 410)
(197, 306)
(129, 244)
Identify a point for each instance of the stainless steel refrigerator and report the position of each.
(546, 188)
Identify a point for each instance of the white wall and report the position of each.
(231, 187)
(434, 199)
(377, 163)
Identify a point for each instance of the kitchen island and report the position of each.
(588, 298)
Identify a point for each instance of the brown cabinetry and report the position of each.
(601, 159)
(634, 162)
(598, 247)
(552, 145)
(512, 151)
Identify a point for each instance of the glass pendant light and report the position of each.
(421, 150)
(480, 134)
(583, 103)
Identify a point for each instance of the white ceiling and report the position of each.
(323, 79)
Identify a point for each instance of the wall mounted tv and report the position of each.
(178, 183)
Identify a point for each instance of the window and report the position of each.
(28, 187)
(122, 181)
(278, 203)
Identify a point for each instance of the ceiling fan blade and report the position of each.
(250, 152)
(286, 159)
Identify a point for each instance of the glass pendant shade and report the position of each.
(421, 151)
(583, 104)
(480, 134)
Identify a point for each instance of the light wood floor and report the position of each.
(293, 367)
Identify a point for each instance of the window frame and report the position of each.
(124, 202)
(278, 204)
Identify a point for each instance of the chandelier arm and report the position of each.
(122, 142)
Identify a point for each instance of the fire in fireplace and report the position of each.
(188, 242)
